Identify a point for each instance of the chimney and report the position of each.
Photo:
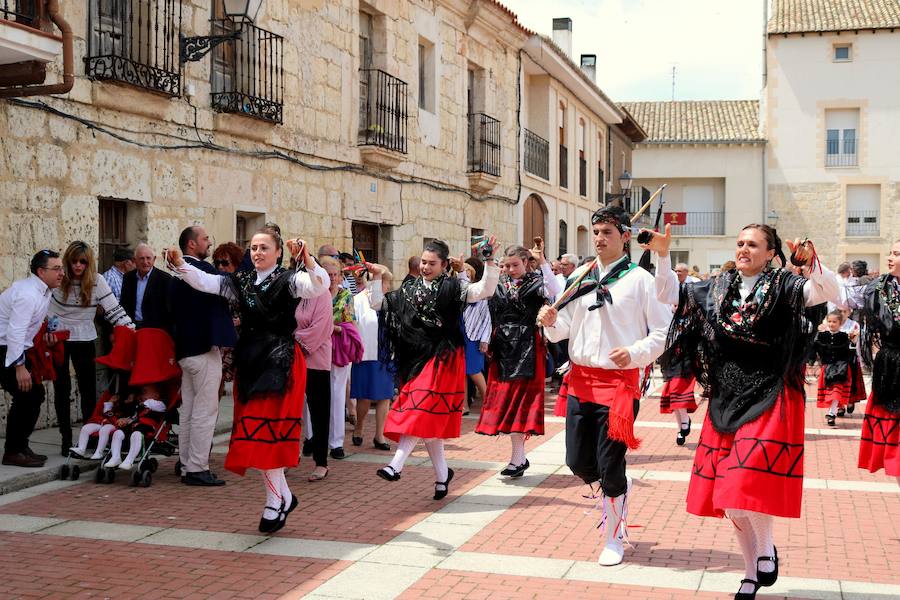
(562, 34)
(589, 66)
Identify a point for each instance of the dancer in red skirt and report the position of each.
(836, 376)
(677, 397)
(615, 327)
(270, 375)
(424, 342)
(747, 339)
(514, 403)
(879, 446)
(857, 384)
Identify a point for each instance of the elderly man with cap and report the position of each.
(123, 262)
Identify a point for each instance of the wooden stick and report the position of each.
(646, 205)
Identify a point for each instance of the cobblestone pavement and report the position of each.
(357, 536)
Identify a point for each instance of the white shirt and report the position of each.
(470, 292)
(821, 287)
(366, 324)
(303, 284)
(23, 308)
(635, 320)
(561, 282)
(78, 319)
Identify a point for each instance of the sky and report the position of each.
(714, 45)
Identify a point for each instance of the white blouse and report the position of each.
(79, 319)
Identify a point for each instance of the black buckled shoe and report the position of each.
(388, 473)
(357, 441)
(841, 412)
(441, 494)
(767, 578)
(747, 595)
(381, 445)
(516, 471)
(272, 525)
(850, 408)
(830, 420)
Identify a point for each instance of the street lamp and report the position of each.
(772, 218)
(239, 11)
(625, 183)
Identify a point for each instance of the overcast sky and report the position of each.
(715, 45)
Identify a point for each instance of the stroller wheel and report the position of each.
(178, 468)
(110, 475)
(152, 465)
(100, 475)
(146, 478)
(135, 478)
(76, 472)
(64, 472)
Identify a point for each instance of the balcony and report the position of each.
(537, 155)
(247, 74)
(582, 176)
(841, 153)
(22, 39)
(135, 42)
(383, 118)
(863, 223)
(563, 166)
(701, 223)
(483, 151)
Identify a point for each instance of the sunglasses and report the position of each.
(222, 263)
(80, 261)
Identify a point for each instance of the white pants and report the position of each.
(339, 378)
(200, 380)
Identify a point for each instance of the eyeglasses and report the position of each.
(222, 263)
(56, 268)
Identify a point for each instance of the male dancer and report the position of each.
(615, 326)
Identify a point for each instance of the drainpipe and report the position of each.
(68, 62)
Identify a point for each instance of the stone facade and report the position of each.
(59, 156)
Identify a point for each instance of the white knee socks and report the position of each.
(518, 449)
(135, 445)
(833, 409)
(404, 448)
(435, 449)
(278, 495)
(115, 451)
(765, 541)
(102, 440)
(84, 436)
(755, 536)
(743, 530)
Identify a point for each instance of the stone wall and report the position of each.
(59, 156)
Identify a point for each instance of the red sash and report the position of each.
(615, 388)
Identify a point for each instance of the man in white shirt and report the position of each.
(615, 326)
(23, 308)
(684, 274)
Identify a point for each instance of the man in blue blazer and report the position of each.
(202, 325)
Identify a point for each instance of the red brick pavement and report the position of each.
(465, 585)
(352, 504)
(64, 568)
(838, 536)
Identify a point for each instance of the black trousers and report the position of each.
(318, 397)
(589, 452)
(81, 355)
(24, 410)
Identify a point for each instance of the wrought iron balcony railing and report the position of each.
(24, 12)
(383, 110)
(701, 223)
(483, 144)
(248, 73)
(563, 166)
(135, 42)
(840, 153)
(537, 155)
(863, 223)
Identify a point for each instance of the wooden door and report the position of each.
(534, 220)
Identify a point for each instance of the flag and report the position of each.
(675, 218)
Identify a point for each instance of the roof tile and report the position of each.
(697, 121)
(800, 16)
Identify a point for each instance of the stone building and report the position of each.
(711, 156)
(832, 121)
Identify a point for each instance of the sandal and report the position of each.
(316, 477)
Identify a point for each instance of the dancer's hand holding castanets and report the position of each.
(299, 251)
(537, 251)
(659, 242)
(173, 257)
(547, 316)
(802, 251)
(456, 263)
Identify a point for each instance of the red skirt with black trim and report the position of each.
(841, 391)
(858, 385)
(267, 429)
(515, 406)
(758, 468)
(678, 393)
(879, 444)
(430, 405)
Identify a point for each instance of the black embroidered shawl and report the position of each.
(265, 350)
(418, 323)
(881, 330)
(514, 308)
(742, 353)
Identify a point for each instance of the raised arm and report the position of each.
(483, 288)
(551, 285)
(666, 281)
(200, 280)
(822, 286)
(112, 310)
(309, 283)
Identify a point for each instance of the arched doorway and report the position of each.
(582, 241)
(534, 220)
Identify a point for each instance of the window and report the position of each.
(841, 126)
(679, 256)
(563, 150)
(582, 158)
(135, 42)
(245, 225)
(426, 75)
(563, 237)
(247, 76)
(863, 208)
(842, 52)
(121, 223)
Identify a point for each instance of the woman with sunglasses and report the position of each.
(746, 335)
(74, 304)
(227, 258)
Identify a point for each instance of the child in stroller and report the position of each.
(147, 415)
(103, 423)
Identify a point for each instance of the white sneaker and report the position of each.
(113, 462)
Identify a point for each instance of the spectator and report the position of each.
(567, 264)
(315, 324)
(346, 261)
(413, 270)
(370, 380)
(145, 291)
(684, 275)
(477, 334)
(200, 327)
(123, 262)
(554, 266)
(728, 265)
(23, 307)
(342, 312)
(75, 304)
(227, 258)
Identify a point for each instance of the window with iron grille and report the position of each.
(121, 224)
(135, 42)
(247, 73)
(23, 12)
